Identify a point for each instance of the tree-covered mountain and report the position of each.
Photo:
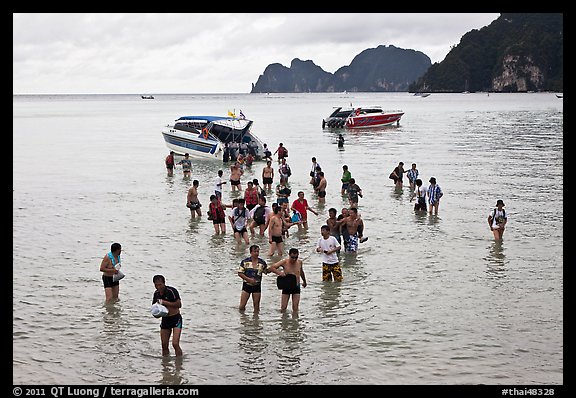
(384, 68)
(516, 52)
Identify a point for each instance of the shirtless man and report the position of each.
(275, 238)
(354, 226)
(235, 174)
(321, 188)
(291, 265)
(268, 176)
(192, 201)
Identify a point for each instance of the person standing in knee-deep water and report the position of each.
(434, 194)
(290, 265)
(186, 163)
(192, 201)
(329, 246)
(172, 323)
(109, 266)
(497, 220)
(250, 271)
(420, 195)
(170, 164)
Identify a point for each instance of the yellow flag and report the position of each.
(231, 114)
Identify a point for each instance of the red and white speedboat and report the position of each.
(361, 117)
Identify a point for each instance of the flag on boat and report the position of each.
(242, 115)
(231, 114)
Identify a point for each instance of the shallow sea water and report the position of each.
(427, 299)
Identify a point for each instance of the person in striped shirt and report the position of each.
(434, 193)
(412, 175)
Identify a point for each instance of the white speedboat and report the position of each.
(207, 136)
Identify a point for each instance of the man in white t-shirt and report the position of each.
(328, 246)
(239, 219)
(218, 185)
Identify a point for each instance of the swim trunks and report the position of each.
(172, 321)
(235, 182)
(277, 239)
(352, 243)
(267, 180)
(194, 205)
(109, 281)
(331, 269)
(252, 288)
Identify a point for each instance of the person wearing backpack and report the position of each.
(281, 151)
(260, 216)
(239, 220)
(497, 220)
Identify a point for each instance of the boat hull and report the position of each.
(195, 145)
(363, 121)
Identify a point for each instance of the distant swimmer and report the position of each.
(340, 141)
(497, 220)
(172, 323)
(111, 265)
(291, 265)
(250, 271)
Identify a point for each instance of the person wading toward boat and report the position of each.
(172, 323)
(170, 164)
(109, 266)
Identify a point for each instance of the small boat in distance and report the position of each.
(423, 95)
(207, 136)
(560, 95)
(147, 97)
(361, 117)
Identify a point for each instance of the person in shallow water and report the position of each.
(109, 266)
(172, 323)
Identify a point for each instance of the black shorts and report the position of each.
(109, 281)
(172, 321)
(234, 182)
(277, 239)
(219, 221)
(322, 194)
(241, 231)
(252, 288)
(294, 290)
(267, 180)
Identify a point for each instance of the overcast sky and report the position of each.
(207, 53)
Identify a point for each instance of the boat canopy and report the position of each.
(207, 118)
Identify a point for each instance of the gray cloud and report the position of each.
(226, 52)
